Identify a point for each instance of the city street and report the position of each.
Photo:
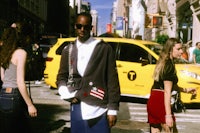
(139, 31)
(53, 115)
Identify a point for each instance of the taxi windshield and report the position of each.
(156, 48)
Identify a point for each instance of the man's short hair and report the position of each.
(197, 43)
(86, 14)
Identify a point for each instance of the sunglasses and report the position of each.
(86, 27)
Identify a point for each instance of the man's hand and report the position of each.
(74, 100)
(112, 119)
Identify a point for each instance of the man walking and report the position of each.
(196, 54)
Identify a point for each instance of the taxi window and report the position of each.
(59, 50)
(114, 47)
(132, 53)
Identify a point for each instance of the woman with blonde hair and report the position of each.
(160, 116)
(15, 103)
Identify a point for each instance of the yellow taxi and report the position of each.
(135, 60)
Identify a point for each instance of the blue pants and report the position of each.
(13, 113)
(78, 125)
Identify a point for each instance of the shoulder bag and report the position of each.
(177, 105)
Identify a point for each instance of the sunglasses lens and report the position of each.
(86, 27)
(78, 26)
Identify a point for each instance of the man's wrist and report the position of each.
(112, 112)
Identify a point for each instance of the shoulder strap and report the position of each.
(70, 63)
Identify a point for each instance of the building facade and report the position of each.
(33, 12)
(94, 14)
(8, 11)
(150, 18)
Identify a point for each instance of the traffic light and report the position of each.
(153, 21)
(157, 21)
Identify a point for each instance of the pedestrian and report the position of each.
(190, 51)
(160, 116)
(15, 103)
(34, 66)
(90, 79)
(196, 54)
(184, 55)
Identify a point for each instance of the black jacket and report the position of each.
(100, 76)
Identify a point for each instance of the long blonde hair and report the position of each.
(164, 56)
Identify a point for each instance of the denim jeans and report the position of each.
(78, 125)
(13, 112)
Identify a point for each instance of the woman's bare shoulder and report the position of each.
(18, 56)
(20, 51)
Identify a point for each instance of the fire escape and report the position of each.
(195, 7)
(169, 10)
(189, 14)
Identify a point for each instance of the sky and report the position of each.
(104, 9)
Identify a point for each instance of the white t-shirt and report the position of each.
(191, 49)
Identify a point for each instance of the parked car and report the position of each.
(45, 42)
(135, 60)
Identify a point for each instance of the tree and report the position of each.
(161, 39)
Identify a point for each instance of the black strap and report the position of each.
(29, 90)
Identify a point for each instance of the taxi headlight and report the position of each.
(191, 74)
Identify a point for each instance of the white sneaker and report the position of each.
(37, 82)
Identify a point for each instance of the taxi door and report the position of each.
(134, 70)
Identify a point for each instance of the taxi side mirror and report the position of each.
(144, 61)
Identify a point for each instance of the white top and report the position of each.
(85, 51)
(191, 49)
